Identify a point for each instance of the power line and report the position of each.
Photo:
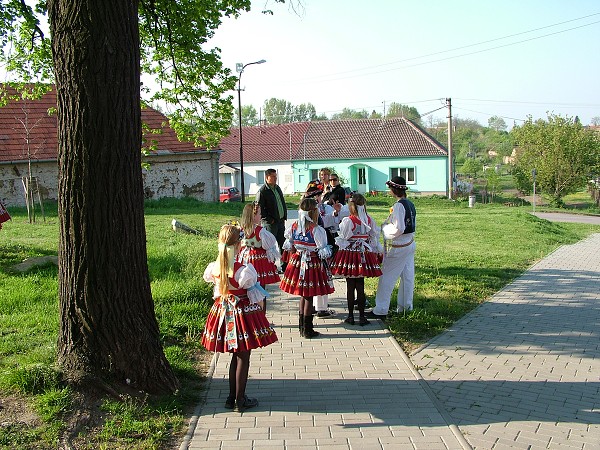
(326, 77)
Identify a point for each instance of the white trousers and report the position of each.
(321, 302)
(399, 263)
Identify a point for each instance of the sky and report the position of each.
(509, 58)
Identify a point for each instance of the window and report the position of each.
(407, 172)
(260, 177)
(314, 174)
(362, 175)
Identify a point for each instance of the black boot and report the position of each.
(301, 324)
(309, 331)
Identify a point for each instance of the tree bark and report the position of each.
(108, 327)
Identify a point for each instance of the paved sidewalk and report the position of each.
(523, 370)
(351, 388)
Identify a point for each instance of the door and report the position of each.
(361, 173)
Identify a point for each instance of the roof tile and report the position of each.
(331, 139)
(19, 116)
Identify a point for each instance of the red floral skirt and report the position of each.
(248, 327)
(316, 279)
(356, 263)
(266, 270)
(285, 255)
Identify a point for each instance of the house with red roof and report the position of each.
(365, 153)
(28, 141)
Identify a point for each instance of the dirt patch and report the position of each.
(14, 411)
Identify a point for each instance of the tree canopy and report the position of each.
(277, 111)
(108, 330)
(192, 82)
(400, 110)
(563, 153)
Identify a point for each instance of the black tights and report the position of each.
(358, 285)
(306, 306)
(238, 374)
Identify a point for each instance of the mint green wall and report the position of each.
(431, 173)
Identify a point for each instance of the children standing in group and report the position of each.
(236, 323)
(327, 221)
(359, 255)
(259, 247)
(305, 274)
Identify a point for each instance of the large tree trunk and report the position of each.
(108, 329)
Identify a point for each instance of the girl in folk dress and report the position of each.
(259, 247)
(305, 274)
(358, 256)
(236, 323)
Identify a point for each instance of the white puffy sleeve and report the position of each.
(246, 277)
(269, 243)
(374, 237)
(345, 233)
(329, 219)
(395, 228)
(287, 245)
(208, 273)
(320, 236)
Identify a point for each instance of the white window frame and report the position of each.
(260, 177)
(409, 173)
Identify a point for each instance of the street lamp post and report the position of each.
(239, 67)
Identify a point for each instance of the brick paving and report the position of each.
(521, 371)
(351, 388)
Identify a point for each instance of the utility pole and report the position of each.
(450, 153)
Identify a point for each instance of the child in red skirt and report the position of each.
(305, 274)
(259, 247)
(359, 255)
(236, 323)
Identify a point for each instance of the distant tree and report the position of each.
(471, 124)
(400, 110)
(375, 115)
(493, 181)
(595, 121)
(304, 112)
(523, 180)
(249, 117)
(472, 167)
(278, 111)
(565, 154)
(348, 113)
(497, 123)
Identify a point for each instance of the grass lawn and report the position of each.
(464, 255)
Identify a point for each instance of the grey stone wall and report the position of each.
(169, 175)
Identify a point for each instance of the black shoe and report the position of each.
(246, 403)
(230, 402)
(349, 320)
(326, 313)
(372, 315)
(309, 334)
(362, 321)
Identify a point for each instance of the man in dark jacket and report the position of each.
(272, 206)
(336, 192)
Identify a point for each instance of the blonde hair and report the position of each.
(228, 236)
(356, 200)
(310, 205)
(247, 220)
